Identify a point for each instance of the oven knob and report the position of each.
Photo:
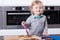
(23, 8)
(48, 17)
(13, 8)
(48, 8)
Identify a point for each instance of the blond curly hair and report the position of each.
(34, 3)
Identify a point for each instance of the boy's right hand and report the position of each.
(23, 23)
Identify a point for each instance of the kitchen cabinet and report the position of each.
(1, 17)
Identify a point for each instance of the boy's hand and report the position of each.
(23, 23)
(45, 34)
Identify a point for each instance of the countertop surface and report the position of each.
(4, 32)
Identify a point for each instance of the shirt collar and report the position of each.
(34, 16)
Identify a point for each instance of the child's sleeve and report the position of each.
(46, 26)
(28, 21)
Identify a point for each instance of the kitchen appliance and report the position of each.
(13, 15)
(16, 17)
(52, 16)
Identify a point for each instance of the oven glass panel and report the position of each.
(52, 16)
(16, 18)
(59, 16)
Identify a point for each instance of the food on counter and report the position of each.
(22, 37)
(29, 37)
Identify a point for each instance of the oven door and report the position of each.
(52, 16)
(16, 17)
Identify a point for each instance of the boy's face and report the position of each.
(37, 9)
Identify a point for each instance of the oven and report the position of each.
(14, 15)
(52, 16)
(14, 19)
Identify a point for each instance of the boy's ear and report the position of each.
(30, 9)
(44, 8)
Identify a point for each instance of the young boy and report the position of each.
(37, 22)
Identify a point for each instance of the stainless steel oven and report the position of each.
(14, 19)
(13, 15)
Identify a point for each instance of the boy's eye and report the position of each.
(36, 7)
(40, 7)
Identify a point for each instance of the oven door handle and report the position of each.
(17, 13)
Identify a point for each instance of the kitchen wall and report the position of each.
(1, 17)
(28, 2)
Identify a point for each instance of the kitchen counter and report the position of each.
(4, 32)
(19, 38)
